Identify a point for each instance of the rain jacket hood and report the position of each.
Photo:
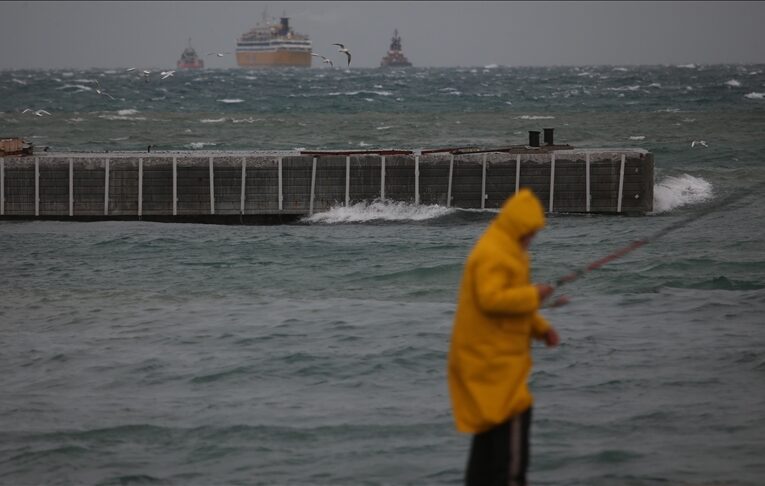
(496, 318)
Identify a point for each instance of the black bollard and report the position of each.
(533, 138)
(549, 136)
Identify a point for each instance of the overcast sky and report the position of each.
(116, 34)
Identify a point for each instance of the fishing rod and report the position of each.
(576, 274)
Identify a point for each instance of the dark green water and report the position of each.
(315, 353)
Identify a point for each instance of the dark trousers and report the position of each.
(500, 456)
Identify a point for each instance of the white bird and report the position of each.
(219, 54)
(699, 142)
(130, 69)
(101, 92)
(345, 51)
(38, 112)
(166, 74)
(325, 60)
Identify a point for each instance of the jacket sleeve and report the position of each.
(539, 326)
(494, 293)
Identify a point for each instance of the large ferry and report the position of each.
(395, 58)
(271, 44)
(189, 59)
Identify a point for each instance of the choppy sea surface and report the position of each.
(315, 353)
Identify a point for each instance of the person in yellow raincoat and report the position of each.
(497, 316)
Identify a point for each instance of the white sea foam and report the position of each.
(212, 120)
(491, 66)
(19, 81)
(637, 137)
(231, 100)
(379, 210)
(383, 128)
(687, 66)
(674, 192)
(754, 96)
(625, 88)
(620, 69)
(654, 85)
(353, 93)
(199, 145)
(122, 117)
(733, 83)
(534, 117)
(79, 87)
(127, 112)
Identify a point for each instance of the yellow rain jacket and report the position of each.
(497, 315)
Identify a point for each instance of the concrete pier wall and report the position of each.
(252, 187)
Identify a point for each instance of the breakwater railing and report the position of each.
(282, 186)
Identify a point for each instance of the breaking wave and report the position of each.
(379, 211)
(674, 192)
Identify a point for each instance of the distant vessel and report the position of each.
(272, 44)
(395, 58)
(189, 59)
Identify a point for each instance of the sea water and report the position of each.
(315, 353)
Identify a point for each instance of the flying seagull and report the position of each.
(130, 69)
(219, 54)
(325, 60)
(699, 142)
(38, 112)
(166, 74)
(345, 51)
(101, 92)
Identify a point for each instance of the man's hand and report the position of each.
(551, 338)
(562, 300)
(544, 291)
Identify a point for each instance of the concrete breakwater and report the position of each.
(258, 187)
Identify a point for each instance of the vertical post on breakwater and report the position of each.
(244, 178)
(621, 186)
(382, 178)
(552, 180)
(106, 187)
(280, 184)
(175, 186)
(587, 183)
(313, 186)
(2, 186)
(37, 186)
(347, 179)
(517, 173)
(212, 187)
(449, 186)
(71, 187)
(483, 183)
(417, 179)
(140, 187)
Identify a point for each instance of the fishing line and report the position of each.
(577, 274)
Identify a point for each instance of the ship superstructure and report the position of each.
(189, 59)
(272, 44)
(395, 58)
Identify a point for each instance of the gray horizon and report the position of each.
(107, 35)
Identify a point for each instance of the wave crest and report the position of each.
(674, 192)
(381, 211)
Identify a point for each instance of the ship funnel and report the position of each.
(533, 138)
(285, 26)
(549, 136)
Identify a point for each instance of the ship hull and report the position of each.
(273, 58)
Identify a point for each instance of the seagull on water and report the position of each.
(345, 51)
(699, 142)
(325, 60)
(166, 74)
(101, 92)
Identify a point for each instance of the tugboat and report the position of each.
(189, 59)
(395, 58)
